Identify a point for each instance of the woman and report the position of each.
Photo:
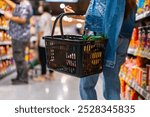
(44, 29)
(116, 20)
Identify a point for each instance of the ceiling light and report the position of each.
(62, 6)
(79, 25)
(53, 18)
(65, 18)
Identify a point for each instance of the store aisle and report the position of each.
(60, 87)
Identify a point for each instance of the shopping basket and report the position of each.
(72, 55)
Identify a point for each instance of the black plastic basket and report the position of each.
(72, 55)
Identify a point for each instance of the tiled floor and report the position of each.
(60, 87)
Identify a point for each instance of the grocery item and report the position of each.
(140, 5)
(143, 6)
(92, 37)
(147, 5)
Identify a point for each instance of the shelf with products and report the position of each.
(5, 50)
(136, 73)
(4, 23)
(7, 71)
(4, 38)
(5, 43)
(4, 57)
(4, 7)
(143, 9)
(6, 60)
(140, 42)
(4, 28)
(6, 66)
(135, 88)
(143, 16)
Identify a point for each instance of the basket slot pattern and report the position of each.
(92, 62)
(76, 57)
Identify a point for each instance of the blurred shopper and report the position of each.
(115, 19)
(19, 30)
(45, 27)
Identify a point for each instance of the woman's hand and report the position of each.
(68, 9)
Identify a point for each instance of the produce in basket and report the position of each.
(93, 37)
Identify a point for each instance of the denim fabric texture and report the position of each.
(95, 16)
(113, 21)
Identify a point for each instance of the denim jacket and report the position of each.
(109, 23)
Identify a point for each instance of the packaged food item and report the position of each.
(143, 38)
(140, 5)
(92, 37)
(133, 95)
(147, 5)
(144, 79)
(134, 39)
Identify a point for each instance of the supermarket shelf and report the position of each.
(143, 16)
(5, 57)
(5, 43)
(4, 28)
(8, 71)
(136, 87)
(144, 54)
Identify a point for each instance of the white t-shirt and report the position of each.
(45, 26)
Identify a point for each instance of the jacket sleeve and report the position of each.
(113, 21)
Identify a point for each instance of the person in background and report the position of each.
(115, 19)
(19, 30)
(45, 25)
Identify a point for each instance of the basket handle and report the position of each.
(54, 25)
(60, 21)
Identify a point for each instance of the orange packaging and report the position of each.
(134, 38)
(139, 61)
(123, 87)
(134, 73)
(139, 76)
(144, 79)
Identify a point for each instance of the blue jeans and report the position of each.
(111, 82)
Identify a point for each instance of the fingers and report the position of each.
(68, 9)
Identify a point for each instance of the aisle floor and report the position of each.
(59, 87)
